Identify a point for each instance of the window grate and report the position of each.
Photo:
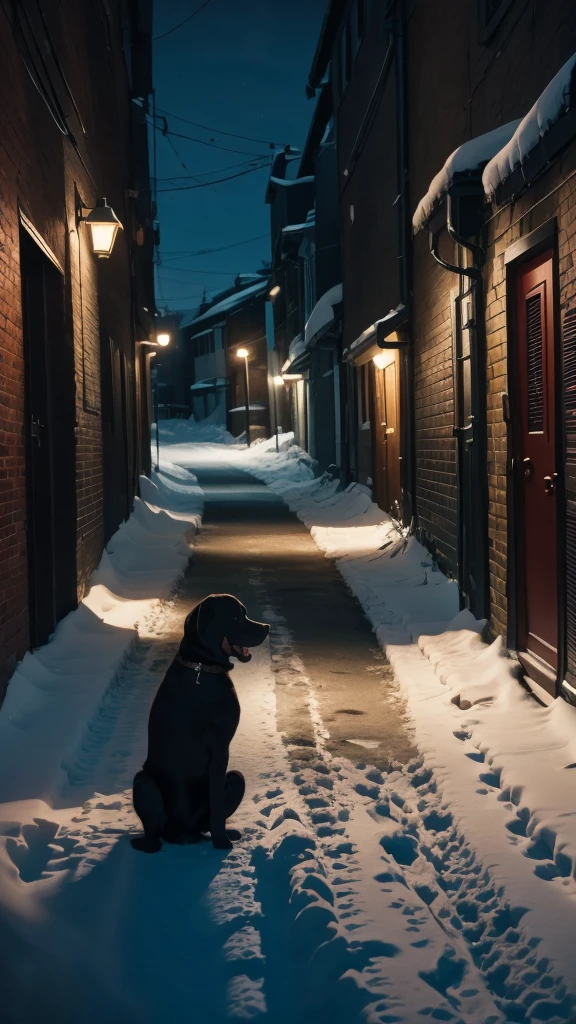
(534, 357)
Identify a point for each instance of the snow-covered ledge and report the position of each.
(323, 312)
(470, 157)
(558, 98)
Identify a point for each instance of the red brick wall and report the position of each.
(41, 171)
(459, 88)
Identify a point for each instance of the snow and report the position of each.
(214, 382)
(293, 181)
(234, 300)
(323, 312)
(254, 407)
(442, 889)
(471, 156)
(549, 107)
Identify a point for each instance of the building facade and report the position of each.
(456, 192)
(233, 320)
(74, 409)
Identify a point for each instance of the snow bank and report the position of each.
(471, 156)
(54, 689)
(191, 431)
(549, 107)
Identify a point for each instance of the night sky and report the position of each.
(239, 66)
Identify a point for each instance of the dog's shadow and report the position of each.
(150, 918)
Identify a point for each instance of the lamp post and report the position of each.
(276, 382)
(242, 353)
(162, 339)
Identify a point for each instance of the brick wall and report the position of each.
(42, 172)
(458, 89)
(434, 403)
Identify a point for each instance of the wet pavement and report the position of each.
(252, 545)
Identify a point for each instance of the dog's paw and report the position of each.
(146, 844)
(221, 843)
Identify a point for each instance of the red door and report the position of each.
(538, 616)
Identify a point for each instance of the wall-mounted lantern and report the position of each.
(103, 224)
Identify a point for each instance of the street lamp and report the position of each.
(162, 340)
(103, 224)
(242, 353)
(274, 291)
(277, 381)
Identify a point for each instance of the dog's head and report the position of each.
(220, 618)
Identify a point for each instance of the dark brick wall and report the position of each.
(368, 182)
(42, 172)
(459, 88)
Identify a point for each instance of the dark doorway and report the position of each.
(50, 443)
(387, 458)
(535, 459)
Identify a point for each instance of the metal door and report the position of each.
(535, 460)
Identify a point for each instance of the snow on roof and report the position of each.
(471, 156)
(549, 107)
(310, 222)
(236, 299)
(297, 346)
(292, 181)
(323, 312)
(209, 382)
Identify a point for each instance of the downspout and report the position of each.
(478, 396)
(408, 453)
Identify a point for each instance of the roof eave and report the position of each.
(325, 43)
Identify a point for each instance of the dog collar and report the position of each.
(198, 666)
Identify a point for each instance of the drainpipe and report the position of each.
(456, 209)
(408, 468)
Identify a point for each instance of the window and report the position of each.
(204, 344)
(490, 14)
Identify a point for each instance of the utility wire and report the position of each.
(178, 254)
(185, 22)
(217, 170)
(164, 130)
(189, 270)
(218, 131)
(206, 184)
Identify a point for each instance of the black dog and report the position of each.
(184, 789)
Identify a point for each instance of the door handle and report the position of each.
(35, 428)
(550, 484)
(528, 468)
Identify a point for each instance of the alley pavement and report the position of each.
(252, 546)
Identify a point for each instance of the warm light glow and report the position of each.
(242, 353)
(291, 376)
(104, 226)
(384, 359)
(274, 291)
(278, 380)
(163, 339)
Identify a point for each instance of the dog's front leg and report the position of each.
(216, 780)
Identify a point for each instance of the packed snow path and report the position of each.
(353, 896)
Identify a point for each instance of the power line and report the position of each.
(217, 170)
(206, 184)
(185, 22)
(219, 131)
(201, 142)
(189, 270)
(181, 255)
